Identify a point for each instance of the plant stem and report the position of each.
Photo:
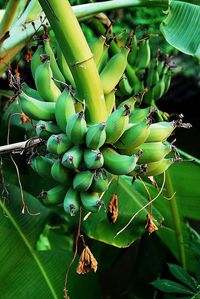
(78, 56)
(176, 219)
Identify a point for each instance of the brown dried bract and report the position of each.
(113, 209)
(28, 56)
(24, 118)
(150, 225)
(87, 262)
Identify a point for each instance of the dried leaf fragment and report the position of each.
(113, 209)
(150, 225)
(24, 118)
(87, 262)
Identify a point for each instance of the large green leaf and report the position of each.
(26, 273)
(181, 27)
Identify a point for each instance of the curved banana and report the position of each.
(134, 81)
(130, 102)
(61, 174)
(35, 61)
(118, 164)
(58, 144)
(76, 128)
(160, 131)
(100, 182)
(83, 180)
(97, 48)
(96, 136)
(117, 123)
(114, 69)
(91, 201)
(156, 168)
(73, 157)
(125, 87)
(139, 114)
(45, 84)
(42, 165)
(144, 55)
(93, 159)
(110, 101)
(36, 109)
(133, 52)
(71, 202)
(54, 196)
(31, 92)
(44, 129)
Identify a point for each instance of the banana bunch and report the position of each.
(79, 156)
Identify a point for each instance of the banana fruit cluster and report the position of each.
(79, 156)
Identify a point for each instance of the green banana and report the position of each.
(54, 196)
(35, 61)
(36, 109)
(64, 109)
(113, 71)
(76, 128)
(96, 136)
(134, 81)
(156, 168)
(152, 73)
(135, 135)
(73, 157)
(61, 174)
(130, 102)
(159, 89)
(83, 180)
(91, 201)
(110, 101)
(125, 87)
(54, 66)
(44, 129)
(167, 79)
(139, 114)
(100, 182)
(104, 58)
(64, 67)
(31, 92)
(153, 151)
(160, 131)
(45, 84)
(133, 52)
(42, 165)
(93, 159)
(117, 123)
(71, 202)
(97, 48)
(119, 164)
(58, 144)
(143, 55)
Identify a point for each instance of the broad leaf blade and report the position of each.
(181, 28)
(169, 286)
(182, 276)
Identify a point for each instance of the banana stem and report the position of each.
(79, 57)
(176, 219)
(9, 16)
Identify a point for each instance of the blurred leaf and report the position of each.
(131, 201)
(179, 273)
(181, 28)
(169, 286)
(26, 273)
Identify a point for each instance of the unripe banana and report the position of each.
(130, 102)
(71, 202)
(134, 81)
(64, 67)
(159, 167)
(58, 144)
(151, 72)
(76, 128)
(61, 174)
(153, 152)
(113, 71)
(160, 131)
(31, 92)
(44, 129)
(100, 182)
(35, 61)
(91, 201)
(125, 87)
(118, 164)
(133, 52)
(54, 196)
(73, 157)
(42, 165)
(144, 55)
(45, 84)
(167, 78)
(54, 67)
(83, 180)
(96, 136)
(159, 89)
(110, 101)
(97, 48)
(139, 114)
(134, 136)
(64, 109)
(36, 109)
(116, 124)
(93, 159)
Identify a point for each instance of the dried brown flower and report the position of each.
(150, 225)
(24, 118)
(87, 262)
(113, 209)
